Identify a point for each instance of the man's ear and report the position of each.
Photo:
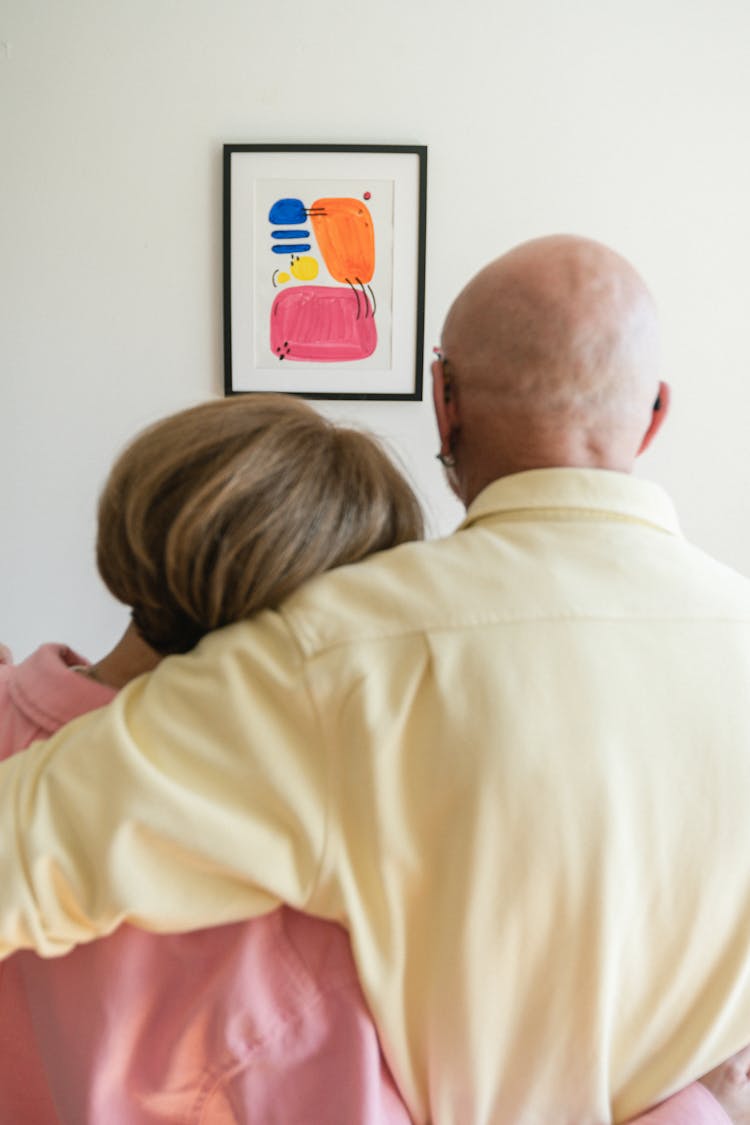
(658, 414)
(444, 402)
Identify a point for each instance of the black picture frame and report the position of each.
(355, 214)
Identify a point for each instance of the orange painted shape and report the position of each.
(346, 238)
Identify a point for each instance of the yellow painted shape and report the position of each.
(305, 268)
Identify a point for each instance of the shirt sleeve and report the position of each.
(695, 1105)
(197, 797)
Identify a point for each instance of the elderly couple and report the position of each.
(486, 794)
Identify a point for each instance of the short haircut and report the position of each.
(222, 510)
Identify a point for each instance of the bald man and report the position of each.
(513, 762)
(550, 358)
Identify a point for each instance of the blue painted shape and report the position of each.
(296, 248)
(290, 233)
(287, 211)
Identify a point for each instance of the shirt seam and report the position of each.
(565, 515)
(481, 622)
(250, 1053)
(316, 879)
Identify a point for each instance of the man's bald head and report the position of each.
(552, 352)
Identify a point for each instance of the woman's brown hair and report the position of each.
(223, 510)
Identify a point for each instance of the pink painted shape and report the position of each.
(322, 324)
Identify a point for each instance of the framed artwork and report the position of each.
(324, 262)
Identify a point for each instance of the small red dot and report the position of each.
(367, 195)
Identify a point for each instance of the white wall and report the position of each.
(626, 121)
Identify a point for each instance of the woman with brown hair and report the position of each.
(208, 517)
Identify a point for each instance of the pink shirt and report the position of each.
(257, 1022)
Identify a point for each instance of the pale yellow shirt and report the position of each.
(515, 763)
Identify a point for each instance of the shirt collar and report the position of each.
(590, 492)
(47, 690)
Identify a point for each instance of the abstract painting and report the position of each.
(324, 250)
